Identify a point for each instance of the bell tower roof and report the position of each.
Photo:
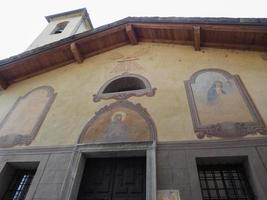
(79, 12)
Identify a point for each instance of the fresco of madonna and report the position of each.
(220, 105)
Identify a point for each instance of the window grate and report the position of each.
(224, 182)
(19, 185)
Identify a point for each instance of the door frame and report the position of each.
(71, 184)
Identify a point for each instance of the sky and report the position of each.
(21, 21)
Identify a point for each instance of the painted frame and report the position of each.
(229, 129)
(148, 91)
(122, 104)
(19, 139)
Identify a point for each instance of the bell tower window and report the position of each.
(60, 27)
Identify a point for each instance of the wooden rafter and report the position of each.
(163, 26)
(225, 28)
(131, 34)
(197, 37)
(243, 37)
(76, 53)
(235, 28)
(3, 83)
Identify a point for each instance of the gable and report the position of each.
(197, 32)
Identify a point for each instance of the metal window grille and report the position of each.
(19, 185)
(224, 182)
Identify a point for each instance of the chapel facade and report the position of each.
(140, 109)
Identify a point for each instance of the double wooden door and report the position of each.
(114, 179)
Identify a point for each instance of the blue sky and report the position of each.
(22, 20)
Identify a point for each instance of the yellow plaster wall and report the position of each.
(165, 66)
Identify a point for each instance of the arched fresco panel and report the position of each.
(221, 106)
(25, 118)
(121, 121)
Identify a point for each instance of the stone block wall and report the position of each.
(50, 165)
(177, 164)
(53, 176)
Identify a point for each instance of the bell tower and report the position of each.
(63, 25)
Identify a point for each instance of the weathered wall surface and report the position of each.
(51, 170)
(177, 166)
(165, 66)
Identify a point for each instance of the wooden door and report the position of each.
(114, 179)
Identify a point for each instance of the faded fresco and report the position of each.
(119, 122)
(127, 65)
(117, 128)
(24, 119)
(218, 100)
(127, 62)
(221, 106)
(168, 195)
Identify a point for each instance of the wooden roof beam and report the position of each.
(197, 39)
(131, 34)
(76, 52)
(3, 83)
(235, 28)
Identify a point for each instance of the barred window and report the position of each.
(19, 185)
(224, 182)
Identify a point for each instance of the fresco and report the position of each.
(221, 106)
(168, 195)
(127, 62)
(117, 129)
(127, 65)
(121, 121)
(218, 100)
(23, 121)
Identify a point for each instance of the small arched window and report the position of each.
(125, 86)
(60, 27)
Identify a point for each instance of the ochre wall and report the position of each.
(165, 66)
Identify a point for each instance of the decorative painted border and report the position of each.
(149, 91)
(18, 139)
(239, 129)
(126, 104)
